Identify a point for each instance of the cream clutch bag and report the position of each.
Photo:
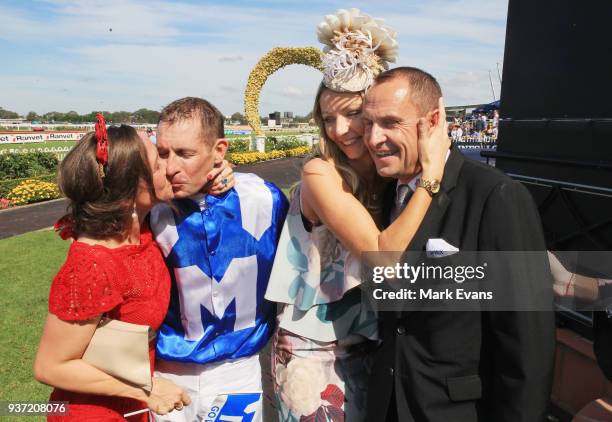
(121, 349)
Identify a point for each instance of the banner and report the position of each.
(37, 137)
(237, 132)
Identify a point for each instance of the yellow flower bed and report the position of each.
(33, 190)
(297, 152)
(275, 59)
(240, 158)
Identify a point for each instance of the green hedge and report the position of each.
(238, 145)
(31, 164)
(272, 144)
(289, 142)
(7, 185)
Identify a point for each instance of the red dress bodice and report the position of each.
(130, 283)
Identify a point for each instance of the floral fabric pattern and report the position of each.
(320, 381)
(310, 268)
(315, 277)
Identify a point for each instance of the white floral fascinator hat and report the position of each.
(357, 48)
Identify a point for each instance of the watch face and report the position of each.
(435, 187)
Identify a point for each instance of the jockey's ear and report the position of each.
(219, 149)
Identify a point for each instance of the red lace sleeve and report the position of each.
(86, 286)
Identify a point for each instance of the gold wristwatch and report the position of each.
(431, 186)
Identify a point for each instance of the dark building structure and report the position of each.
(555, 136)
(276, 116)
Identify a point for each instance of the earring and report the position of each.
(134, 213)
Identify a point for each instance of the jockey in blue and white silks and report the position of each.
(219, 250)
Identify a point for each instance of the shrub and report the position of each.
(32, 190)
(5, 203)
(17, 166)
(298, 152)
(290, 142)
(240, 158)
(238, 145)
(8, 185)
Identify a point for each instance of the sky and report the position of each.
(62, 55)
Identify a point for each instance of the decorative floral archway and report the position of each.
(274, 60)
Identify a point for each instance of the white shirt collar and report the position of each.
(200, 199)
(412, 182)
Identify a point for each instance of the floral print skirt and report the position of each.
(318, 381)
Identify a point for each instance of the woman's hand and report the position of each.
(566, 283)
(221, 178)
(433, 144)
(562, 278)
(166, 396)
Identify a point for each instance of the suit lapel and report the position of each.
(431, 222)
(440, 203)
(437, 209)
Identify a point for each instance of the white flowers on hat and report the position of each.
(358, 47)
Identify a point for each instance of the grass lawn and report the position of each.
(28, 265)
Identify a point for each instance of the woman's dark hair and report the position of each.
(102, 207)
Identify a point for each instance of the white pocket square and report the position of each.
(438, 248)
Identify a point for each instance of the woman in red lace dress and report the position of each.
(114, 268)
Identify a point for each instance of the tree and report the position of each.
(32, 116)
(89, 118)
(239, 117)
(121, 117)
(7, 114)
(72, 117)
(145, 116)
(140, 116)
(303, 119)
(52, 116)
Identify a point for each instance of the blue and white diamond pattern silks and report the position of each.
(220, 252)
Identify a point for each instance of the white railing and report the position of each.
(60, 152)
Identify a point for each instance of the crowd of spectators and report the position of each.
(478, 127)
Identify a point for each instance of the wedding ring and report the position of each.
(178, 406)
(224, 181)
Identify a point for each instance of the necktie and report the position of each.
(401, 199)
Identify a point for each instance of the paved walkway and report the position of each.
(284, 173)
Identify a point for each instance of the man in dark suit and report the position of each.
(456, 366)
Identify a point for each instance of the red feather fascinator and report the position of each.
(102, 143)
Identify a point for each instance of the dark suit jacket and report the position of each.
(469, 366)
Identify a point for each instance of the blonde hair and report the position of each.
(329, 151)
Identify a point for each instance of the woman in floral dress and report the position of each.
(325, 337)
